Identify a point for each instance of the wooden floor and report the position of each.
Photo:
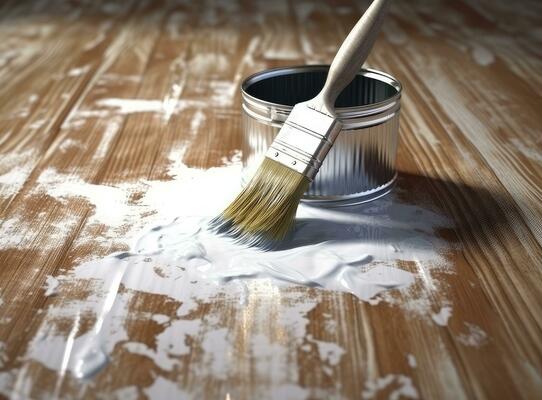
(97, 94)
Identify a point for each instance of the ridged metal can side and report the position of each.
(361, 165)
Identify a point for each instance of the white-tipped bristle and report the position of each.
(264, 212)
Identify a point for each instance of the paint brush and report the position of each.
(264, 212)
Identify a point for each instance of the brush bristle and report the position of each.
(264, 212)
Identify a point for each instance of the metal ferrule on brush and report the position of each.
(304, 140)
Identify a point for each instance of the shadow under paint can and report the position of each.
(360, 167)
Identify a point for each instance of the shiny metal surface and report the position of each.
(304, 140)
(361, 165)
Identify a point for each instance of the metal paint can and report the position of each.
(361, 165)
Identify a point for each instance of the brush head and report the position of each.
(264, 212)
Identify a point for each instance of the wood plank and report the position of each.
(97, 139)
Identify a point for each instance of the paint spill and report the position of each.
(132, 393)
(329, 352)
(339, 264)
(400, 386)
(165, 389)
(358, 250)
(14, 171)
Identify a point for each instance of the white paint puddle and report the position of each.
(357, 250)
(341, 265)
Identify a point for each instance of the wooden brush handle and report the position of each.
(351, 56)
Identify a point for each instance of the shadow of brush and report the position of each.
(420, 210)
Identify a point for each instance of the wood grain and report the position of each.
(471, 150)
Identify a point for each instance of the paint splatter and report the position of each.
(482, 56)
(475, 336)
(412, 361)
(441, 318)
(51, 286)
(170, 253)
(403, 387)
